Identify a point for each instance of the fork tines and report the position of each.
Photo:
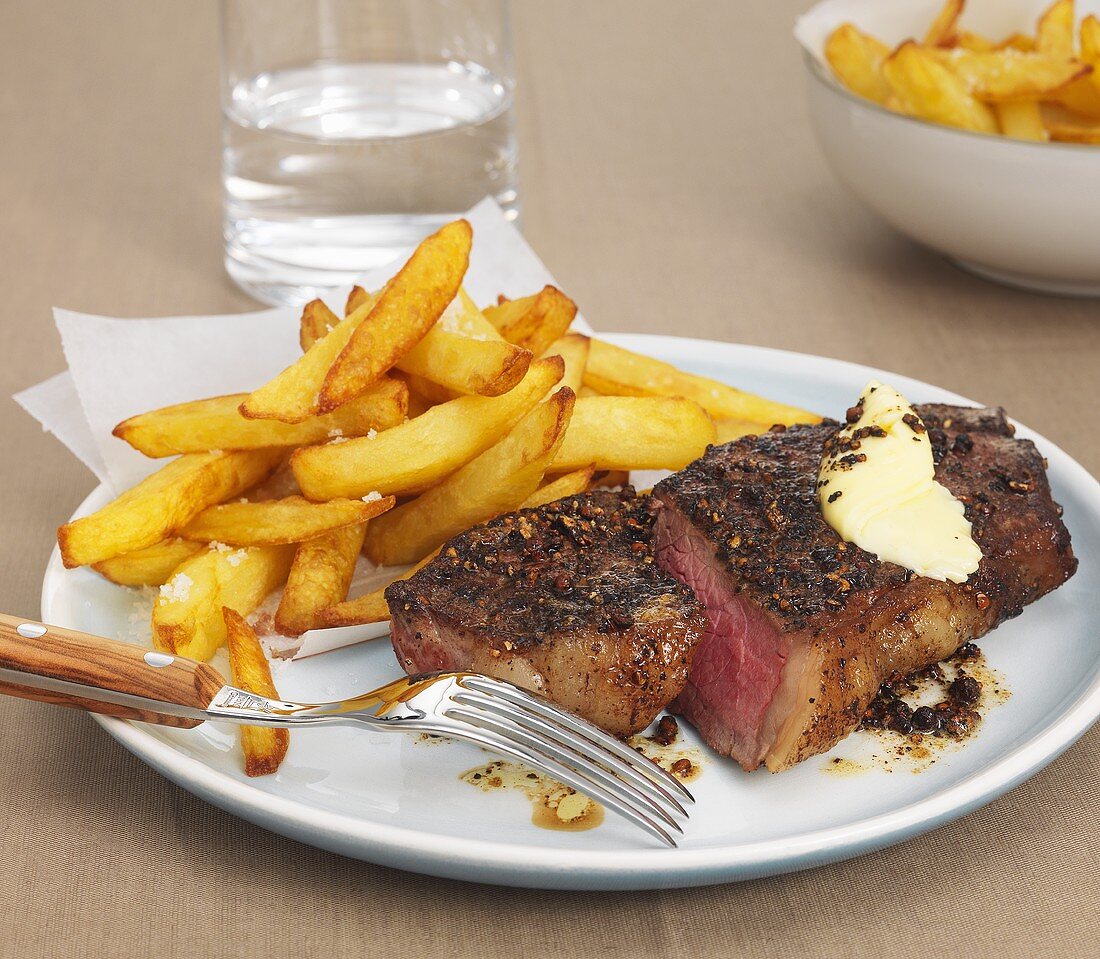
(576, 752)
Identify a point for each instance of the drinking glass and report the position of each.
(353, 129)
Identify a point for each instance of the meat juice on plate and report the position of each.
(332, 169)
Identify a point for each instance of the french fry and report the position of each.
(975, 42)
(1054, 32)
(461, 355)
(418, 454)
(162, 503)
(369, 608)
(316, 323)
(609, 479)
(1017, 41)
(1007, 76)
(573, 348)
(431, 393)
(568, 484)
(1021, 120)
(857, 58)
(631, 432)
(1083, 95)
(1066, 127)
(216, 423)
(495, 482)
(275, 522)
(927, 89)
(320, 577)
(614, 371)
(404, 311)
(187, 617)
(356, 298)
(533, 322)
(336, 369)
(944, 31)
(731, 429)
(151, 566)
(465, 317)
(467, 365)
(264, 747)
(291, 397)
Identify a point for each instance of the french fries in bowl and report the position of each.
(971, 126)
(410, 415)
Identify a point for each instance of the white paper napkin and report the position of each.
(120, 367)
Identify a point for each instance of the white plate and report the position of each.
(391, 800)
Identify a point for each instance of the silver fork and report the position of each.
(71, 668)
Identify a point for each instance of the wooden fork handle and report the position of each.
(103, 664)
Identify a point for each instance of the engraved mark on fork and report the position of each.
(237, 699)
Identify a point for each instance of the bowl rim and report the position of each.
(823, 76)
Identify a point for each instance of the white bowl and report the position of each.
(1025, 214)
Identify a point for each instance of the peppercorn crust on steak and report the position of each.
(802, 628)
(564, 600)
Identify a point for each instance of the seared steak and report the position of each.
(803, 627)
(564, 600)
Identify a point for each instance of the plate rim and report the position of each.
(520, 864)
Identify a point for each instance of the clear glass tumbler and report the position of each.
(353, 129)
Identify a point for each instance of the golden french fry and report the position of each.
(632, 432)
(1090, 41)
(856, 58)
(495, 482)
(609, 479)
(975, 42)
(369, 608)
(264, 747)
(274, 522)
(356, 298)
(160, 504)
(944, 31)
(533, 322)
(151, 566)
(1054, 32)
(292, 395)
(1083, 95)
(407, 307)
(463, 316)
(927, 89)
(320, 577)
(614, 371)
(573, 349)
(462, 354)
(455, 361)
(1066, 127)
(568, 484)
(432, 394)
(1022, 120)
(418, 454)
(733, 429)
(316, 323)
(1017, 41)
(345, 362)
(216, 423)
(187, 617)
(1002, 76)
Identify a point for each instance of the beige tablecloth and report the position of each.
(654, 135)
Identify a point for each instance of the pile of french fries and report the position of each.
(1045, 87)
(411, 418)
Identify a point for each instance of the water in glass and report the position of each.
(332, 169)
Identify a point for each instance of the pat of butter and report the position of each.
(878, 490)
